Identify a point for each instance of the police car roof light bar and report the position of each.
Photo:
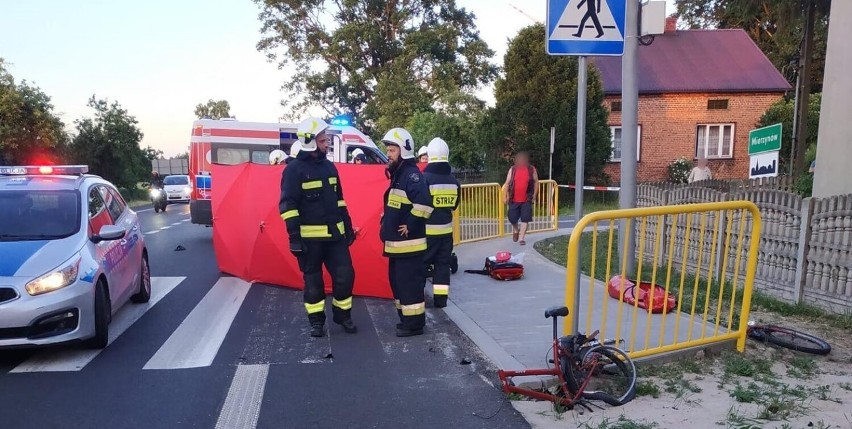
(31, 170)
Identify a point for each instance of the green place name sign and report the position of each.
(766, 139)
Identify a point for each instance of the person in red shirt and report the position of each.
(519, 192)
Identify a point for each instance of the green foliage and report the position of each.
(537, 92)
(679, 170)
(775, 25)
(30, 132)
(152, 153)
(380, 61)
(109, 144)
(782, 112)
(457, 124)
(213, 109)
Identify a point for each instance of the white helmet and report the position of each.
(357, 152)
(276, 156)
(295, 148)
(438, 150)
(308, 131)
(401, 138)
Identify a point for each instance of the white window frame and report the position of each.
(719, 153)
(612, 129)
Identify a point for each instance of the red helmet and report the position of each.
(503, 256)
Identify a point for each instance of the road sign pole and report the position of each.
(629, 126)
(552, 145)
(579, 178)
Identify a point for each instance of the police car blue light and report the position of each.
(71, 254)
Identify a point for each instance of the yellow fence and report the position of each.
(685, 249)
(482, 213)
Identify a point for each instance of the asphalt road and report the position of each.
(210, 351)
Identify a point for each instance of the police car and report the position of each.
(71, 254)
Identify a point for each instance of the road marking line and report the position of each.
(242, 405)
(196, 341)
(381, 312)
(165, 227)
(152, 232)
(176, 224)
(76, 359)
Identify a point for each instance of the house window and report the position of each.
(714, 141)
(717, 104)
(616, 143)
(615, 106)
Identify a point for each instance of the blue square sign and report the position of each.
(586, 27)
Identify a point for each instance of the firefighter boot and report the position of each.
(348, 326)
(440, 301)
(405, 332)
(317, 324)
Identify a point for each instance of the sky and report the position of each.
(160, 58)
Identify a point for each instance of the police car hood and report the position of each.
(35, 258)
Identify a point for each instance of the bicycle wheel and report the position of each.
(605, 373)
(791, 339)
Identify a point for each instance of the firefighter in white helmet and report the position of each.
(358, 156)
(294, 151)
(403, 230)
(319, 226)
(444, 190)
(422, 155)
(276, 157)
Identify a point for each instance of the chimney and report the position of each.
(671, 24)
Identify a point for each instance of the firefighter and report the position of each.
(276, 157)
(294, 152)
(422, 155)
(444, 191)
(319, 227)
(403, 231)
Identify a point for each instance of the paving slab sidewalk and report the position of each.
(506, 319)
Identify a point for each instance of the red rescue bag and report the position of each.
(501, 267)
(662, 302)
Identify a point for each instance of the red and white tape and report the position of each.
(593, 188)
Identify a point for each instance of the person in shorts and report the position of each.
(519, 192)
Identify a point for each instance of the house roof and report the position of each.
(698, 61)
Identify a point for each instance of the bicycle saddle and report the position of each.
(556, 312)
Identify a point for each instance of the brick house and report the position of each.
(700, 93)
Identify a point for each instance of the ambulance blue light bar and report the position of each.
(44, 170)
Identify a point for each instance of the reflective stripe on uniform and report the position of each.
(438, 158)
(344, 304)
(414, 309)
(319, 231)
(443, 189)
(341, 203)
(405, 246)
(314, 184)
(420, 210)
(332, 180)
(444, 229)
(316, 307)
(440, 289)
(397, 197)
(289, 214)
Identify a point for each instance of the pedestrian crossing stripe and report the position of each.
(587, 20)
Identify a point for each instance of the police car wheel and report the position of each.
(101, 316)
(144, 293)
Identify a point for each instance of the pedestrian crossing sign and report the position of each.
(586, 27)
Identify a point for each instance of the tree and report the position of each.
(30, 132)
(214, 109)
(152, 153)
(184, 155)
(537, 92)
(457, 123)
(782, 112)
(380, 61)
(776, 26)
(109, 144)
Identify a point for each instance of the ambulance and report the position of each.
(232, 142)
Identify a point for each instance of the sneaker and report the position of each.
(349, 327)
(403, 332)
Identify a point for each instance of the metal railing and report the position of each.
(482, 212)
(685, 249)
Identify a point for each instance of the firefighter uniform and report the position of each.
(406, 203)
(444, 191)
(320, 231)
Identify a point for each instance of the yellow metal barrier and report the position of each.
(687, 250)
(480, 215)
(545, 208)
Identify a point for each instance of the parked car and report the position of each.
(71, 254)
(178, 188)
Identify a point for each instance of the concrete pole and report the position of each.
(552, 145)
(579, 172)
(629, 126)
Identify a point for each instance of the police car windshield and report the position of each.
(38, 215)
(176, 180)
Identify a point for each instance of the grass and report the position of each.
(803, 367)
(555, 249)
(647, 388)
(621, 423)
(588, 207)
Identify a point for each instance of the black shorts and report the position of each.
(520, 211)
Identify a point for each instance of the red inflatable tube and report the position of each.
(662, 303)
